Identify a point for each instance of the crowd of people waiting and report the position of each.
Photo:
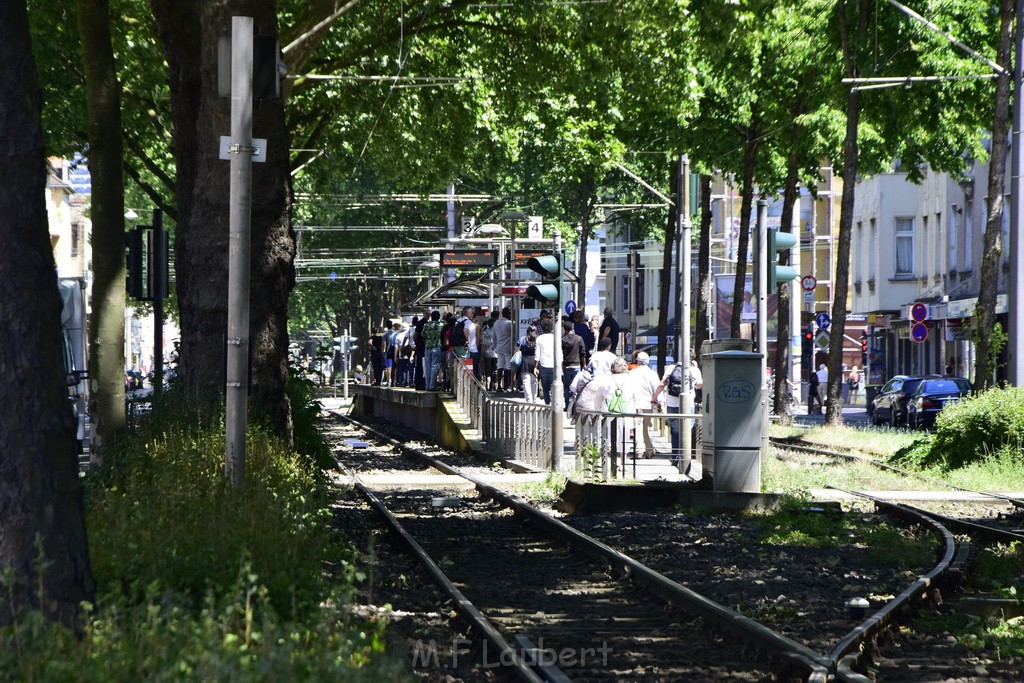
(594, 377)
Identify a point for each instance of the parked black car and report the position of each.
(931, 396)
(890, 405)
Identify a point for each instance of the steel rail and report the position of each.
(781, 443)
(465, 606)
(783, 648)
(842, 655)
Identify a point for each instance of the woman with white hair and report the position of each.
(618, 388)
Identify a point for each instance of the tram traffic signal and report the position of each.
(549, 267)
(807, 348)
(779, 242)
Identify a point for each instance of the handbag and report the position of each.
(517, 359)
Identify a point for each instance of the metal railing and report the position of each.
(520, 431)
(608, 445)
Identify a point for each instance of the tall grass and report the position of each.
(197, 580)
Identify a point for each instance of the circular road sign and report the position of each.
(808, 282)
(570, 307)
(919, 332)
(919, 312)
(823, 320)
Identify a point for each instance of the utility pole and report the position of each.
(683, 278)
(557, 399)
(761, 244)
(239, 226)
(1015, 336)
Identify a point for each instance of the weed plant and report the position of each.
(200, 581)
(168, 516)
(881, 543)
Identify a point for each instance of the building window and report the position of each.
(926, 247)
(953, 229)
(873, 251)
(968, 235)
(641, 290)
(75, 238)
(904, 247)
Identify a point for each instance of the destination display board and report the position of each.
(522, 256)
(469, 258)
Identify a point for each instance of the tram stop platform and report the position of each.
(643, 484)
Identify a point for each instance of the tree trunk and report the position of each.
(834, 407)
(984, 318)
(189, 31)
(747, 192)
(42, 525)
(700, 328)
(106, 164)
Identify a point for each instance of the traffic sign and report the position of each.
(808, 282)
(570, 307)
(919, 312)
(823, 320)
(919, 331)
(809, 297)
(822, 340)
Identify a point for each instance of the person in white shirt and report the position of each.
(546, 358)
(617, 382)
(822, 374)
(645, 383)
(472, 348)
(585, 391)
(676, 381)
(602, 359)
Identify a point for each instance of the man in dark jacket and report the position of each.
(610, 328)
(572, 357)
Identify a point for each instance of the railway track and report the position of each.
(514, 576)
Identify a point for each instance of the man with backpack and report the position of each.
(463, 339)
(674, 382)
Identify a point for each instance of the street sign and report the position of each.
(822, 340)
(259, 149)
(629, 350)
(808, 297)
(808, 282)
(919, 332)
(919, 313)
(823, 320)
(570, 307)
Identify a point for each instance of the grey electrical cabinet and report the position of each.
(732, 412)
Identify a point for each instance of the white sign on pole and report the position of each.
(259, 149)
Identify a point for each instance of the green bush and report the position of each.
(306, 408)
(237, 637)
(163, 513)
(978, 427)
